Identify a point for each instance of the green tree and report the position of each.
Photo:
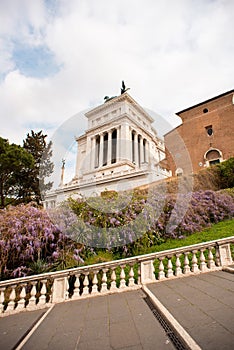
(226, 173)
(14, 160)
(35, 179)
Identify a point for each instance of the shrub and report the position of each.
(31, 243)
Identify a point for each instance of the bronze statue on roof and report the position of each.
(123, 89)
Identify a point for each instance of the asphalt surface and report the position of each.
(202, 304)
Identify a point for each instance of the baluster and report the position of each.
(203, 266)
(2, 298)
(139, 274)
(186, 264)
(178, 270)
(113, 287)
(67, 288)
(104, 280)
(195, 268)
(11, 304)
(122, 278)
(211, 263)
(32, 300)
(42, 299)
(217, 256)
(169, 268)
(131, 279)
(86, 284)
(161, 274)
(76, 292)
(21, 302)
(95, 282)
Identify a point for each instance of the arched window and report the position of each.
(213, 156)
(179, 172)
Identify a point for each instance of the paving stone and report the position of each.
(207, 318)
(13, 327)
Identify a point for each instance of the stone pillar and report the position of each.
(117, 144)
(109, 149)
(149, 153)
(62, 173)
(146, 151)
(147, 272)
(93, 158)
(225, 255)
(59, 289)
(89, 150)
(125, 142)
(136, 149)
(141, 151)
(77, 162)
(101, 150)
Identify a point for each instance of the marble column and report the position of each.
(109, 149)
(89, 150)
(141, 151)
(117, 144)
(101, 150)
(125, 142)
(136, 158)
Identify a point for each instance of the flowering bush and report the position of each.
(31, 243)
(148, 221)
(205, 208)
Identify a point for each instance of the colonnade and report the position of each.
(119, 144)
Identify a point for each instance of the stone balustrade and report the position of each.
(42, 290)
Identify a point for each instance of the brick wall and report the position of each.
(187, 144)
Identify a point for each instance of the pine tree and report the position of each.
(35, 179)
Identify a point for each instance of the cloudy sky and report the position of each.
(60, 57)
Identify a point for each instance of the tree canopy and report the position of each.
(14, 161)
(35, 184)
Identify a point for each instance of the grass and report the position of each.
(217, 231)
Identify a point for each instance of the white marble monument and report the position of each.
(119, 151)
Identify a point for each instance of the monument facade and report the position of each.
(119, 151)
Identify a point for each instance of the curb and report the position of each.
(34, 328)
(186, 338)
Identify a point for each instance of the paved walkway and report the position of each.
(117, 321)
(203, 305)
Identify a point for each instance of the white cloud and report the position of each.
(171, 53)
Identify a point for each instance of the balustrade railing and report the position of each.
(42, 290)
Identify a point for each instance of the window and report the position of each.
(213, 156)
(205, 110)
(179, 172)
(209, 130)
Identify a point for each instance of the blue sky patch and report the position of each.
(35, 61)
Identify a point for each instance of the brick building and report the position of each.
(205, 136)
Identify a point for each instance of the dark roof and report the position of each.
(201, 103)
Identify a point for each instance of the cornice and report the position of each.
(124, 97)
